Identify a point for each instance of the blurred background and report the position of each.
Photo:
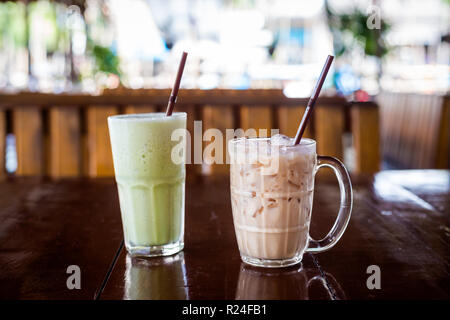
(393, 55)
(54, 46)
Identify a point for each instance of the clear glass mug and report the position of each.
(272, 190)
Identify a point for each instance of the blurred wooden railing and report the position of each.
(415, 129)
(67, 134)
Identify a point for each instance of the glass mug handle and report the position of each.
(345, 209)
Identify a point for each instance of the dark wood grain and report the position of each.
(396, 226)
(210, 266)
(46, 227)
(389, 228)
(400, 222)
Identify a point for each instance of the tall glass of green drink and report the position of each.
(149, 181)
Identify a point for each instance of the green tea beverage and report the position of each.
(150, 181)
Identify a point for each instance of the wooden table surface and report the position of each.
(400, 222)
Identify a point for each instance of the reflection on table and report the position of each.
(156, 278)
(285, 284)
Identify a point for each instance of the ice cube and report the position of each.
(280, 140)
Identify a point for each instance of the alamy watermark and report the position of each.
(217, 145)
(374, 280)
(74, 280)
(374, 19)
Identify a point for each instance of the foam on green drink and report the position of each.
(150, 184)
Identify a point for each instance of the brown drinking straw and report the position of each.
(176, 85)
(312, 100)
